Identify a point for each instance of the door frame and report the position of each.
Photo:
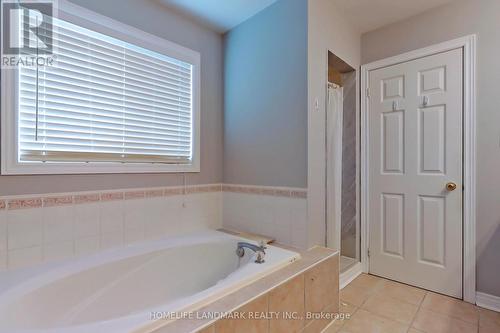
(468, 45)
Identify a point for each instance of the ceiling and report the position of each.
(220, 15)
(367, 15)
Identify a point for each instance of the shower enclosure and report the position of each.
(342, 223)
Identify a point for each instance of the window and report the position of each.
(106, 105)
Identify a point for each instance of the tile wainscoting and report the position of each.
(42, 228)
(280, 213)
(53, 227)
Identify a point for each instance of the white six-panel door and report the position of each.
(415, 158)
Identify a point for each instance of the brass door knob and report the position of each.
(451, 186)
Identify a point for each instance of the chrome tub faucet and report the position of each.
(258, 249)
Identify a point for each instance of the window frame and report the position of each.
(10, 164)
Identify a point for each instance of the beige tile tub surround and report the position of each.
(288, 297)
(321, 286)
(259, 305)
(380, 305)
(285, 290)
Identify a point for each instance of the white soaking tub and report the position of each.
(117, 290)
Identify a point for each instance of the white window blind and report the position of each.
(105, 100)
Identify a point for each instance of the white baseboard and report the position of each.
(350, 274)
(487, 301)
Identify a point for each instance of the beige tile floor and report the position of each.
(378, 305)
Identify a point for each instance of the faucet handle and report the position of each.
(262, 244)
(260, 257)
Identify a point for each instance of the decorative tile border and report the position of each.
(135, 195)
(86, 198)
(204, 188)
(301, 194)
(58, 201)
(154, 193)
(53, 200)
(112, 196)
(266, 190)
(173, 191)
(24, 203)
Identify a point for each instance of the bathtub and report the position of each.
(121, 290)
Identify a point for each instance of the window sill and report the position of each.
(50, 168)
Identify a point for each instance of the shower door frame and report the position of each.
(333, 235)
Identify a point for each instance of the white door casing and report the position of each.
(415, 149)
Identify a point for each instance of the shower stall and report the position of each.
(341, 141)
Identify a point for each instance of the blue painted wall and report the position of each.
(265, 88)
